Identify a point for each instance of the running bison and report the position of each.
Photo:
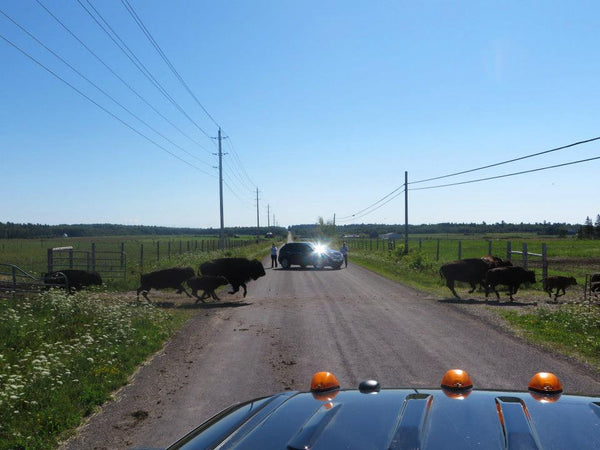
(166, 278)
(238, 271)
(206, 283)
(559, 283)
(507, 276)
(470, 270)
(74, 279)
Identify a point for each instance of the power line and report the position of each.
(506, 175)
(98, 87)
(357, 216)
(136, 62)
(508, 161)
(139, 22)
(472, 170)
(111, 70)
(99, 105)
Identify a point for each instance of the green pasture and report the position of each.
(141, 254)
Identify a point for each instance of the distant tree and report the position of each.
(597, 227)
(325, 229)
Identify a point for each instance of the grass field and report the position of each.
(141, 254)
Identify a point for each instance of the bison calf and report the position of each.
(74, 279)
(559, 283)
(238, 271)
(166, 278)
(507, 276)
(206, 283)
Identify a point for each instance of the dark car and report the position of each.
(305, 254)
(453, 417)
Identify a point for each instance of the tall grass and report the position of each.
(61, 355)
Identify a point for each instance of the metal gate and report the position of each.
(109, 264)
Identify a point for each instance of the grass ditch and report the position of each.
(61, 356)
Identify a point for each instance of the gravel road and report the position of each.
(293, 323)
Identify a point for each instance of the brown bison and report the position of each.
(559, 283)
(72, 279)
(206, 283)
(470, 270)
(167, 278)
(507, 276)
(238, 271)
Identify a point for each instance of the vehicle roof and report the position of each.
(404, 418)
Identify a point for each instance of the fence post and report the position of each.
(50, 261)
(188, 246)
(122, 254)
(437, 253)
(459, 249)
(158, 250)
(370, 245)
(141, 256)
(544, 262)
(71, 259)
(180, 247)
(508, 250)
(93, 257)
(169, 250)
(420, 244)
(489, 247)
(524, 256)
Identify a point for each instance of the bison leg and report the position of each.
(473, 287)
(145, 294)
(182, 289)
(235, 288)
(213, 294)
(244, 286)
(450, 284)
(201, 298)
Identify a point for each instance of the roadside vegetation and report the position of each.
(61, 356)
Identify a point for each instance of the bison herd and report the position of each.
(490, 271)
(212, 274)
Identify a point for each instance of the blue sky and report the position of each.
(325, 105)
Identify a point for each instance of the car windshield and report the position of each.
(439, 158)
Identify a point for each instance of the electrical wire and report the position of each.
(472, 170)
(100, 106)
(157, 47)
(506, 175)
(99, 88)
(139, 65)
(508, 161)
(111, 70)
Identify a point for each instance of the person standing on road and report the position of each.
(344, 251)
(273, 256)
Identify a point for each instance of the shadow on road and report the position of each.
(210, 305)
(472, 301)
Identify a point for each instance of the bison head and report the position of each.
(256, 269)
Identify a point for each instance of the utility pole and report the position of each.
(268, 217)
(257, 218)
(222, 230)
(405, 212)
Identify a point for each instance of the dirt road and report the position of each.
(296, 322)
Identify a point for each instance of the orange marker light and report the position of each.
(324, 381)
(545, 383)
(456, 379)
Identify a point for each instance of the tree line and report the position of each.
(375, 230)
(11, 230)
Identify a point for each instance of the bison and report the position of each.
(166, 278)
(559, 283)
(238, 271)
(73, 279)
(470, 270)
(507, 276)
(206, 283)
